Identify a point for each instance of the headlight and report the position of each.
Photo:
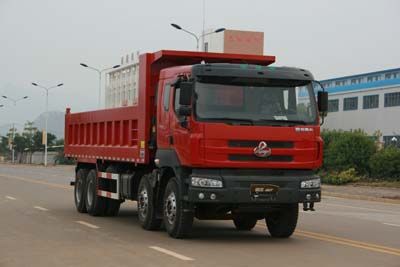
(206, 182)
(314, 183)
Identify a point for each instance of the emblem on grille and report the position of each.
(262, 150)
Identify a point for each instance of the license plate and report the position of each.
(259, 190)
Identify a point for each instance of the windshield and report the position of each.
(255, 101)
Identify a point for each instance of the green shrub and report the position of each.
(346, 150)
(386, 163)
(343, 177)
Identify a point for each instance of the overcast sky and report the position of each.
(45, 40)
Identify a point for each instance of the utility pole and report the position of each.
(47, 89)
(12, 144)
(13, 125)
(204, 25)
(201, 36)
(100, 72)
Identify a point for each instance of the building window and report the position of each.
(392, 99)
(370, 101)
(373, 78)
(333, 105)
(392, 140)
(340, 83)
(350, 103)
(392, 75)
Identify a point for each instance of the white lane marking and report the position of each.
(361, 208)
(88, 224)
(376, 202)
(11, 198)
(171, 253)
(308, 212)
(392, 224)
(40, 208)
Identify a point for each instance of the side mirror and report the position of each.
(322, 102)
(185, 97)
(184, 111)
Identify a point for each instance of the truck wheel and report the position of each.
(146, 205)
(80, 190)
(244, 223)
(95, 205)
(282, 223)
(177, 221)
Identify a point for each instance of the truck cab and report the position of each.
(243, 139)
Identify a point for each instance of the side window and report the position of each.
(167, 90)
(176, 101)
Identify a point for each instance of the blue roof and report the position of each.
(361, 86)
(382, 82)
(362, 75)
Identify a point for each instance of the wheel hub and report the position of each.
(143, 202)
(170, 208)
(78, 191)
(90, 191)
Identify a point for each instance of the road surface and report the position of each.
(39, 226)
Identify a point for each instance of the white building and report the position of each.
(368, 101)
(122, 83)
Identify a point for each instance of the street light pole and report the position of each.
(13, 125)
(47, 89)
(100, 72)
(12, 143)
(197, 37)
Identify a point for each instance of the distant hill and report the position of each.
(55, 123)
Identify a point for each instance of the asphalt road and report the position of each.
(39, 226)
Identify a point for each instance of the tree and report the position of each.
(4, 149)
(345, 150)
(28, 133)
(20, 143)
(37, 140)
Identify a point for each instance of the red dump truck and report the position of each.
(212, 136)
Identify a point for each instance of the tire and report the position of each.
(244, 223)
(80, 190)
(146, 205)
(112, 205)
(282, 223)
(95, 205)
(178, 222)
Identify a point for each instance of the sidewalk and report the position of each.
(382, 194)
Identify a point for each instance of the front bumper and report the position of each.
(237, 185)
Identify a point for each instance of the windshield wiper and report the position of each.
(232, 120)
(292, 122)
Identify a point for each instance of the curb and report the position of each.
(361, 197)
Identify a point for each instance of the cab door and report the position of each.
(180, 134)
(163, 117)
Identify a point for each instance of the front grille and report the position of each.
(274, 158)
(249, 183)
(252, 143)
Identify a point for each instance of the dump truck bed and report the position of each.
(110, 134)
